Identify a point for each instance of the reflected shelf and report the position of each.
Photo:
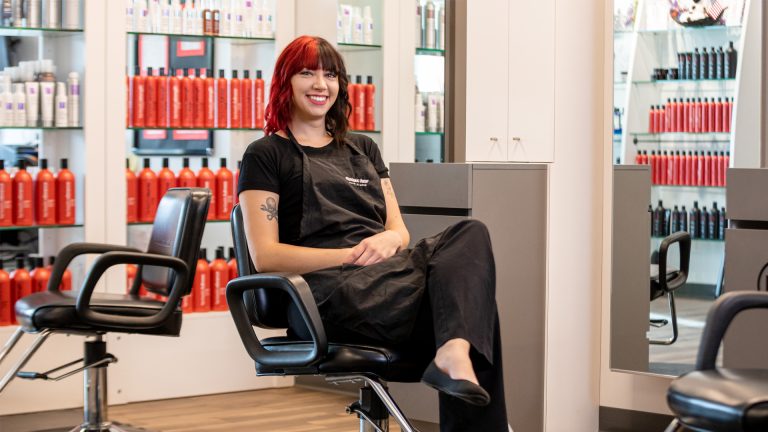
(734, 30)
(215, 221)
(430, 52)
(721, 82)
(351, 47)
(41, 128)
(38, 31)
(693, 239)
(194, 129)
(28, 227)
(365, 131)
(710, 137)
(430, 133)
(241, 39)
(690, 188)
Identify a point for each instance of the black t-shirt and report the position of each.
(274, 164)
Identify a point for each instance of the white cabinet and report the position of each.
(508, 80)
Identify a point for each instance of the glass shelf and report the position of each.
(196, 129)
(217, 221)
(357, 47)
(41, 128)
(430, 51)
(722, 82)
(430, 133)
(683, 137)
(690, 188)
(242, 39)
(28, 227)
(38, 31)
(365, 131)
(693, 239)
(735, 30)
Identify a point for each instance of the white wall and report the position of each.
(575, 218)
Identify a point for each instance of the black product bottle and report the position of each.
(704, 223)
(658, 220)
(683, 219)
(714, 223)
(696, 64)
(723, 224)
(688, 65)
(720, 64)
(693, 222)
(731, 58)
(704, 64)
(680, 65)
(653, 220)
(675, 220)
(712, 63)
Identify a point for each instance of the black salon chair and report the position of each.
(674, 279)
(264, 300)
(718, 399)
(166, 268)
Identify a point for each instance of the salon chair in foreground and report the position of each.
(263, 300)
(716, 399)
(166, 268)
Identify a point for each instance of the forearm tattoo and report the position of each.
(388, 188)
(270, 208)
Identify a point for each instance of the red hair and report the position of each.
(312, 53)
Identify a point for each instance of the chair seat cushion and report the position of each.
(722, 400)
(397, 365)
(56, 311)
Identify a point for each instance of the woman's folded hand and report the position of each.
(375, 248)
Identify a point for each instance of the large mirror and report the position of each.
(686, 105)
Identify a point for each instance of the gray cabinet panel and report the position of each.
(745, 194)
(432, 185)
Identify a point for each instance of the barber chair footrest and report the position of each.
(46, 376)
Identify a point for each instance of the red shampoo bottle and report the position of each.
(224, 192)
(206, 179)
(6, 307)
(219, 278)
(6, 196)
(132, 194)
(45, 195)
(186, 177)
(201, 286)
(22, 196)
(259, 103)
(21, 284)
(222, 99)
(147, 193)
(162, 99)
(166, 179)
(65, 195)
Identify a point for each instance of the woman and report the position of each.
(318, 201)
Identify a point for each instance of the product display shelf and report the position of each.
(344, 47)
(196, 129)
(215, 221)
(430, 133)
(690, 188)
(41, 128)
(38, 31)
(365, 131)
(233, 39)
(29, 227)
(685, 136)
(693, 239)
(430, 52)
(727, 82)
(729, 30)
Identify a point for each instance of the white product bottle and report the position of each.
(267, 30)
(140, 12)
(130, 25)
(237, 24)
(441, 29)
(34, 13)
(164, 26)
(357, 26)
(419, 25)
(339, 27)
(432, 112)
(153, 15)
(187, 20)
(62, 112)
(421, 113)
(429, 26)
(72, 14)
(19, 106)
(367, 26)
(225, 28)
(346, 22)
(441, 112)
(73, 99)
(248, 19)
(6, 101)
(32, 89)
(52, 14)
(177, 17)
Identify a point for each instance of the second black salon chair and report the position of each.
(263, 300)
(673, 279)
(167, 268)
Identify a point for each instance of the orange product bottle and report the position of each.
(210, 100)
(22, 196)
(6, 196)
(360, 106)
(188, 99)
(235, 181)
(166, 179)
(66, 277)
(246, 93)
(21, 285)
(162, 99)
(232, 264)
(200, 96)
(728, 115)
(224, 193)
(235, 102)
(5, 297)
(176, 103)
(45, 195)
(132, 194)
(201, 286)
(147, 193)
(150, 117)
(186, 177)
(40, 276)
(131, 270)
(221, 101)
(719, 116)
(139, 99)
(219, 278)
(352, 92)
(370, 104)
(259, 101)
(206, 179)
(65, 195)
(128, 100)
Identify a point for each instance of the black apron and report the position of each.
(342, 204)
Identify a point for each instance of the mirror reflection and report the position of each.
(685, 109)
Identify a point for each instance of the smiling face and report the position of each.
(314, 93)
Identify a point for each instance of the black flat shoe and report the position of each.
(465, 390)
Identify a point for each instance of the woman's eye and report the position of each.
(330, 75)
(306, 72)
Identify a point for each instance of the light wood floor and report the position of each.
(292, 409)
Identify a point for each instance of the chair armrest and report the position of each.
(684, 239)
(110, 259)
(68, 253)
(719, 318)
(298, 290)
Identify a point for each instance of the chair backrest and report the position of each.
(266, 309)
(177, 231)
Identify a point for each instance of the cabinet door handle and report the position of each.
(516, 140)
(494, 140)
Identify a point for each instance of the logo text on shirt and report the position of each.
(357, 182)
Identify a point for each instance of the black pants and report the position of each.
(456, 277)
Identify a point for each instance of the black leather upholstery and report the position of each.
(168, 267)
(720, 399)
(263, 299)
